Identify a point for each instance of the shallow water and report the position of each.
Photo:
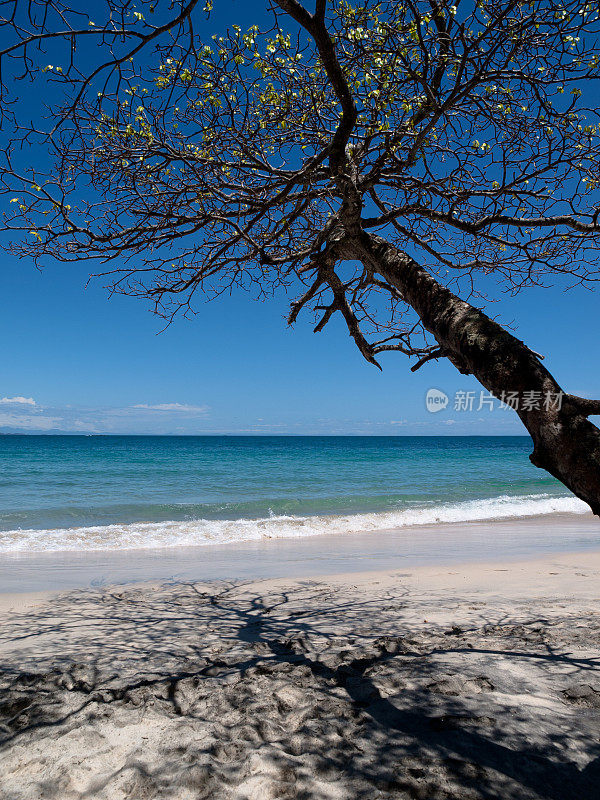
(83, 493)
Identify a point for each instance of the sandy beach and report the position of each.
(299, 418)
(447, 680)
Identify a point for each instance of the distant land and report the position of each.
(45, 432)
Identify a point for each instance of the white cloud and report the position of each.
(178, 407)
(28, 421)
(20, 401)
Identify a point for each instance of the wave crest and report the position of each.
(140, 535)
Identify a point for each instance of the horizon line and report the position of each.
(283, 435)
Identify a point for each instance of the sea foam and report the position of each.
(139, 535)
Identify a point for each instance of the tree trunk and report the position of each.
(566, 443)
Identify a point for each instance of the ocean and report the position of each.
(80, 493)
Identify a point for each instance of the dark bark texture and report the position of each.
(566, 443)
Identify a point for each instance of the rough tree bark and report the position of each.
(566, 443)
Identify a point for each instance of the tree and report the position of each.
(384, 159)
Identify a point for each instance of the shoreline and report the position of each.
(193, 531)
(310, 556)
(549, 575)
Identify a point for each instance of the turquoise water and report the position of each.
(109, 492)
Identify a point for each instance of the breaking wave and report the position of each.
(139, 535)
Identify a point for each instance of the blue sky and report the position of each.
(75, 360)
(96, 364)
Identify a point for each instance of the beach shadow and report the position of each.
(387, 707)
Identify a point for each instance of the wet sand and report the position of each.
(419, 545)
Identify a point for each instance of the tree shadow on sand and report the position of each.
(296, 692)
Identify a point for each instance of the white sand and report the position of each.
(472, 681)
